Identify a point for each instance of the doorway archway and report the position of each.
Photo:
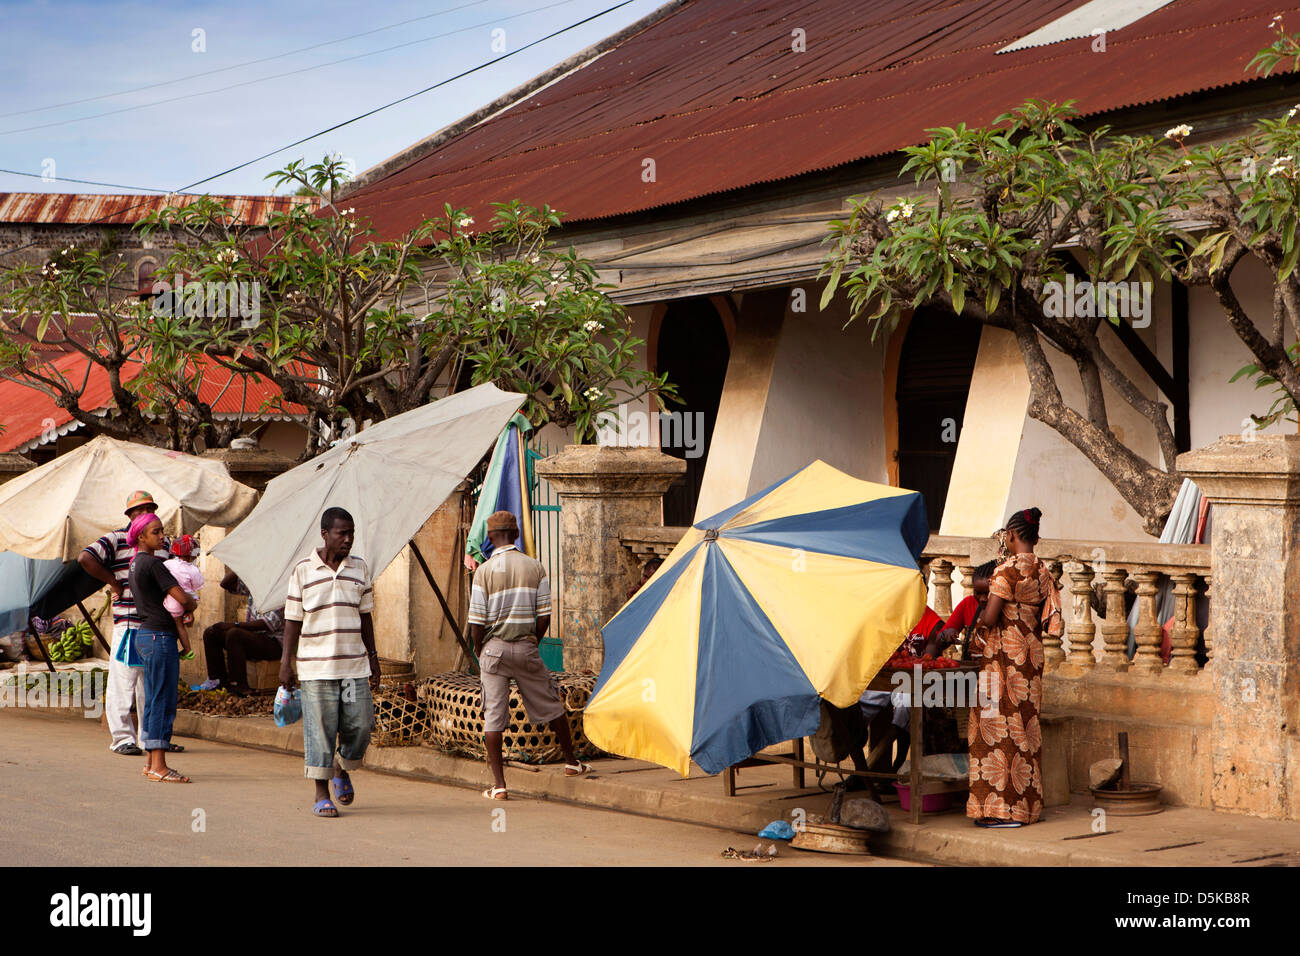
(692, 348)
(934, 374)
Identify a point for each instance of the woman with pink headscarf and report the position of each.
(155, 643)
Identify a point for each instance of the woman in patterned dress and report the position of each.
(1006, 784)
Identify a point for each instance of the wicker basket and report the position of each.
(399, 722)
(454, 704)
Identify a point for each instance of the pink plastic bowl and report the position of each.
(930, 802)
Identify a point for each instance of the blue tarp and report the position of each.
(43, 588)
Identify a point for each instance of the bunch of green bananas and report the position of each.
(73, 644)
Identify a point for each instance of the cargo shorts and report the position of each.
(498, 663)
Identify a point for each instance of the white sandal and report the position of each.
(496, 793)
(576, 769)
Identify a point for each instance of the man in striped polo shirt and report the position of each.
(509, 612)
(109, 560)
(328, 628)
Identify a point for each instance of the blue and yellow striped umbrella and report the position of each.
(799, 592)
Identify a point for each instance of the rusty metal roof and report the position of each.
(29, 416)
(715, 94)
(126, 209)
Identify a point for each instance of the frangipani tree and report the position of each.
(1008, 217)
(356, 328)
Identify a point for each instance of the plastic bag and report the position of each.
(13, 647)
(288, 707)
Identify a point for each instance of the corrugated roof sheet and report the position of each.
(125, 209)
(26, 413)
(717, 97)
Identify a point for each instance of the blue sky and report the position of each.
(54, 53)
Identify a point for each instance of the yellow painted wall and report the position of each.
(744, 399)
(990, 438)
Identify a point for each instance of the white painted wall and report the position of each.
(1046, 471)
(1218, 407)
(825, 399)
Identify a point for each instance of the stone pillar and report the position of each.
(602, 490)
(1254, 487)
(254, 467)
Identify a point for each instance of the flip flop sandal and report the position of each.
(496, 793)
(325, 808)
(175, 749)
(343, 790)
(576, 769)
(128, 750)
(171, 776)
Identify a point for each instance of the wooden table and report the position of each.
(884, 681)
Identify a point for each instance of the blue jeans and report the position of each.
(335, 710)
(162, 667)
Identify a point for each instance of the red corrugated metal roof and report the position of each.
(715, 95)
(27, 413)
(122, 209)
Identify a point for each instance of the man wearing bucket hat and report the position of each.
(109, 560)
(509, 613)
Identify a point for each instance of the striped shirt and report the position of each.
(330, 604)
(510, 592)
(115, 555)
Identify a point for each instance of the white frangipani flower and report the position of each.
(1178, 132)
(464, 222)
(591, 326)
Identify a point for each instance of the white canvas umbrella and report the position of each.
(54, 511)
(391, 477)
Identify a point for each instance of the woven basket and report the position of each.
(398, 722)
(454, 704)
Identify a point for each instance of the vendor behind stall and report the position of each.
(967, 612)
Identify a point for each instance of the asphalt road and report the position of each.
(68, 801)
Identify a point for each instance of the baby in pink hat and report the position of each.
(190, 578)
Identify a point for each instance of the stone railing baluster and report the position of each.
(941, 577)
(967, 572)
(1082, 628)
(1182, 659)
(1147, 633)
(1114, 630)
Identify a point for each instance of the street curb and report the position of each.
(548, 783)
(946, 840)
(939, 844)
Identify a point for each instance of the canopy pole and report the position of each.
(94, 627)
(446, 611)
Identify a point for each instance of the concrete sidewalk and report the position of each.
(1179, 836)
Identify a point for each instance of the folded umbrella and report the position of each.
(505, 488)
(798, 593)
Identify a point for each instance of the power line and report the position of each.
(88, 182)
(280, 76)
(409, 96)
(239, 66)
(348, 122)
